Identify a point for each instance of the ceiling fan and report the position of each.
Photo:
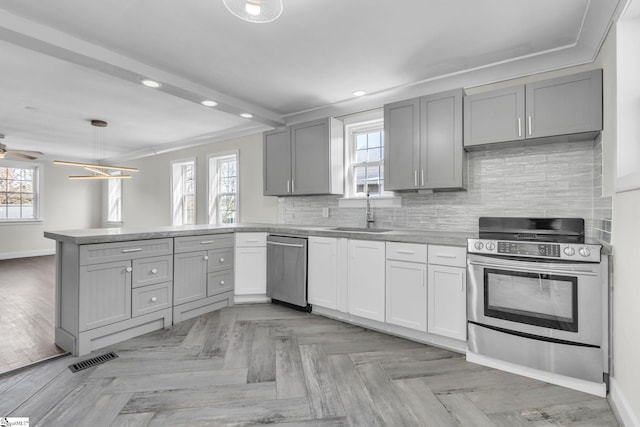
(22, 154)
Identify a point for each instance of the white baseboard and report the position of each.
(597, 389)
(27, 254)
(250, 299)
(621, 405)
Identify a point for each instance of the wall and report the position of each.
(625, 391)
(544, 180)
(65, 205)
(147, 196)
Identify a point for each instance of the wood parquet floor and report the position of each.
(259, 364)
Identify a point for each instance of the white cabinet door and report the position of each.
(251, 271)
(323, 272)
(366, 279)
(190, 277)
(447, 301)
(407, 294)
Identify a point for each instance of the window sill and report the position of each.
(20, 221)
(376, 202)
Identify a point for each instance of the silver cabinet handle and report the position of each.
(126, 251)
(207, 242)
(154, 299)
(293, 186)
(206, 257)
(446, 256)
(415, 178)
(221, 259)
(288, 186)
(154, 271)
(519, 126)
(422, 177)
(129, 269)
(402, 251)
(292, 245)
(221, 282)
(530, 127)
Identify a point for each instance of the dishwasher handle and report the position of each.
(291, 245)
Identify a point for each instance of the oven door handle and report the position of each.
(516, 267)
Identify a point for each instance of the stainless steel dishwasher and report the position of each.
(287, 270)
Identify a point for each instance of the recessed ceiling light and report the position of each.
(246, 115)
(209, 103)
(150, 83)
(359, 93)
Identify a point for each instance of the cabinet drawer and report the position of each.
(204, 242)
(407, 252)
(448, 255)
(151, 298)
(251, 239)
(148, 271)
(218, 282)
(110, 252)
(220, 259)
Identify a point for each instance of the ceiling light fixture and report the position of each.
(100, 171)
(151, 83)
(359, 93)
(208, 103)
(256, 11)
(246, 115)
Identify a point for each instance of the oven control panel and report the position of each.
(545, 250)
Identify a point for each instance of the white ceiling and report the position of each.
(65, 62)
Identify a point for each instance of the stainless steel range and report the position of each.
(538, 297)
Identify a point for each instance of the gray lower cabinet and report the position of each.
(423, 143)
(304, 159)
(568, 105)
(203, 274)
(109, 292)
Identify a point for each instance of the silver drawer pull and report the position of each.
(154, 270)
(221, 282)
(252, 241)
(400, 251)
(154, 299)
(207, 242)
(129, 269)
(126, 251)
(291, 245)
(206, 257)
(221, 259)
(446, 256)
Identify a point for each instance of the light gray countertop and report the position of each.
(106, 235)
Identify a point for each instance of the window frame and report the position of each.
(37, 190)
(174, 164)
(213, 217)
(108, 184)
(373, 121)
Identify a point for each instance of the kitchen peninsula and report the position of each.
(113, 284)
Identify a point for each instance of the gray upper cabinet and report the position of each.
(304, 159)
(568, 105)
(495, 116)
(423, 143)
(277, 162)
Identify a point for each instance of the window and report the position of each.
(19, 192)
(365, 156)
(223, 189)
(183, 186)
(114, 200)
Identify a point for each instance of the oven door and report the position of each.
(557, 302)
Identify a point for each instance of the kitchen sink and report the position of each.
(360, 229)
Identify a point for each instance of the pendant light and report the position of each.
(100, 171)
(256, 11)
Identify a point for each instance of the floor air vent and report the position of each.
(86, 364)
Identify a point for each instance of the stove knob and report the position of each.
(491, 246)
(478, 246)
(569, 251)
(584, 251)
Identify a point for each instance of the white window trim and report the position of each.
(39, 191)
(195, 187)
(107, 182)
(362, 121)
(210, 192)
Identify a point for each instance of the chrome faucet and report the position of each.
(369, 216)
